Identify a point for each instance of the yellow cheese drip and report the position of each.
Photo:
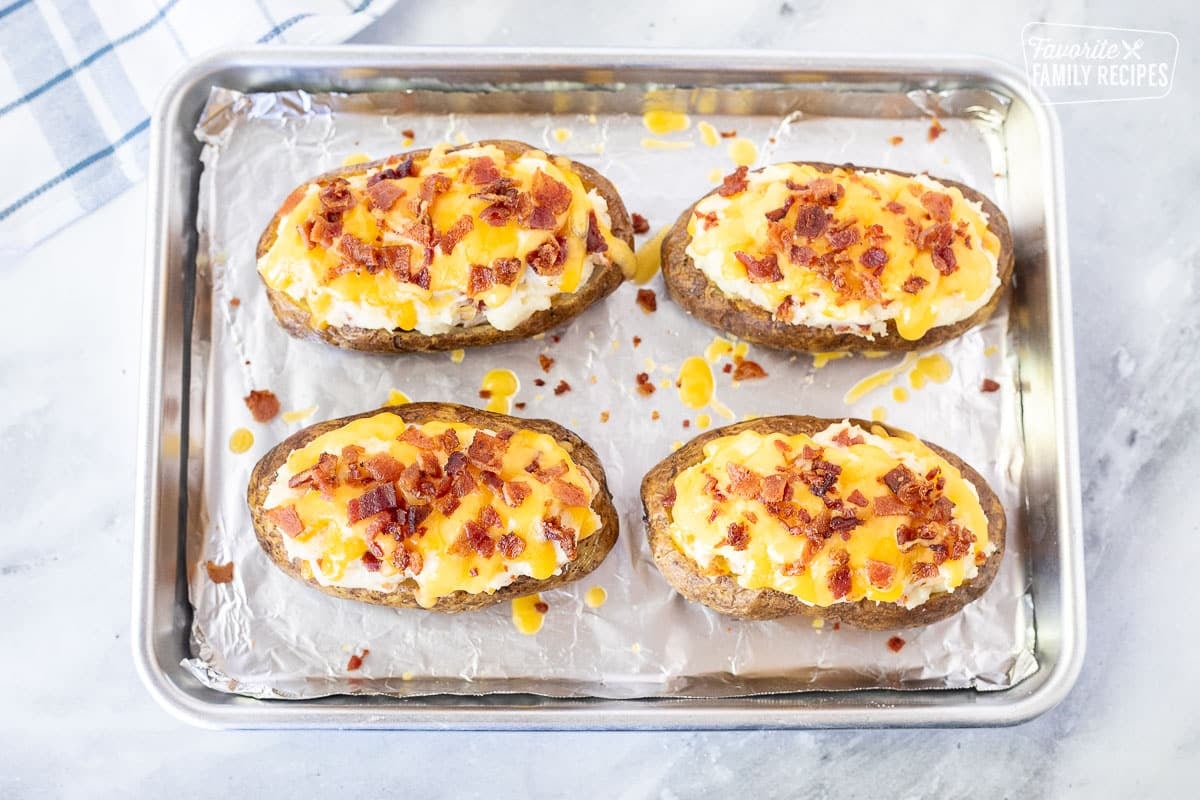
(742, 226)
(525, 614)
(933, 367)
(595, 597)
(771, 545)
(743, 152)
(660, 122)
(695, 382)
(241, 440)
(708, 134)
(329, 542)
(309, 276)
(500, 385)
(648, 258)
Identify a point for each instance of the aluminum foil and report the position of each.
(264, 634)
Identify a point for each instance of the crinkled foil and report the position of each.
(266, 635)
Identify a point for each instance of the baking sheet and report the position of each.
(265, 635)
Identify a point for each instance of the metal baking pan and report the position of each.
(1040, 322)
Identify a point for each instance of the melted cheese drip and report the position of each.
(945, 299)
(659, 122)
(595, 597)
(332, 547)
(526, 616)
(771, 546)
(695, 382)
(380, 301)
(500, 385)
(241, 440)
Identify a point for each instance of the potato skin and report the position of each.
(704, 300)
(603, 281)
(592, 550)
(722, 593)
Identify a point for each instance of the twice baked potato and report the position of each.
(444, 248)
(846, 520)
(433, 505)
(817, 257)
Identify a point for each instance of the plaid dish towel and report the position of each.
(79, 78)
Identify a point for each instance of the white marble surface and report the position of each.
(75, 722)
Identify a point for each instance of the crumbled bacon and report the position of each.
(384, 468)
(555, 531)
(935, 129)
(747, 370)
(777, 214)
(895, 208)
(989, 385)
(480, 280)
(263, 404)
(734, 182)
(644, 387)
(839, 582)
(219, 573)
(640, 224)
(784, 311)
(879, 573)
(562, 388)
(944, 260)
(923, 570)
(322, 475)
(515, 492)
(843, 238)
(772, 488)
(456, 232)
(668, 499)
(874, 258)
(538, 218)
(547, 258)
(858, 498)
(381, 498)
(844, 439)
(897, 478)
(550, 193)
(895, 644)
(568, 493)
(707, 220)
(358, 254)
(595, 239)
(417, 438)
(511, 545)
(408, 560)
(396, 259)
(939, 234)
(545, 362)
(480, 171)
(336, 196)
(811, 221)
(824, 191)
(743, 482)
(478, 539)
(938, 205)
(914, 284)
(736, 536)
(505, 270)
(382, 195)
(356, 660)
(647, 300)
(487, 450)
(432, 186)
(764, 270)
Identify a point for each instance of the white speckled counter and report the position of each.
(76, 722)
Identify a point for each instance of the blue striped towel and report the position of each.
(78, 79)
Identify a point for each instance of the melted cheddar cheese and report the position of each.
(873, 252)
(339, 282)
(726, 518)
(370, 553)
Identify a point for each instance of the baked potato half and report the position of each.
(845, 520)
(444, 248)
(433, 505)
(818, 257)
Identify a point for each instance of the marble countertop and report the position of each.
(67, 434)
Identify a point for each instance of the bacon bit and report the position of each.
(449, 440)
(914, 284)
(336, 196)
(764, 270)
(841, 239)
(640, 224)
(637, 340)
(644, 387)
(989, 385)
(748, 371)
(772, 488)
(417, 438)
(480, 171)
(668, 499)
(481, 279)
(382, 195)
(825, 191)
(895, 644)
(381, 498)
(554, 531)
(938, 205)
(687, 423)
(895, 208)
(455, 234)
(477, 539)
(874, 258)
(896, 140)
(286, 518)
(410, 560)
(779, 213)
(357, 254)
(935, 129)
(219, 573)
(263, 404)
(505, 270)
(811, 221)
(844, 439)
(944, 260)
(538, 382)
(371, 561)
(792, 569)
(356, 660)
(647, 300)
(923, 570)
(550, 193)
(858, 498)
(400, 169)
(839, 582)
(707, 220)
(880, 573)
(568, 493)
(939, 234)
(433, 185)
(727, 368)
(727, 134)
(897, 478)
(511, 545)
(562, 388)
(743, 482)
(734, 182)
(515, 492)
(488, 517)
(595, 239)
(736, 536)
(547, 258)
(545, 361)
(541, 607)
(396, 258)
(486, 450)
(384, 468)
